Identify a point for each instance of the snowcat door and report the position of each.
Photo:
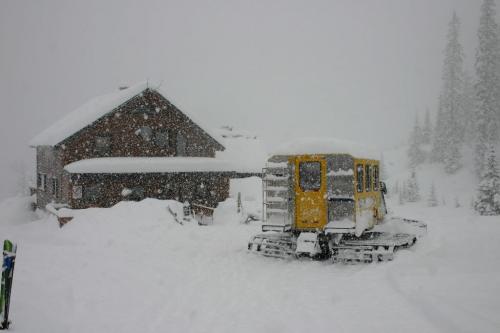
(310, 192)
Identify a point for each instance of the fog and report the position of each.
(358, 70)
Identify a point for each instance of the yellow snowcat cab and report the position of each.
(320, 198)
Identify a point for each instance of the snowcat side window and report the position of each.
(375, 178)
(310, 176)
(368, 178)
(359, 178)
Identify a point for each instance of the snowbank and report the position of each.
(250, 190)
(17, 210)
(133, 268)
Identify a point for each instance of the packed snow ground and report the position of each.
(132, 268)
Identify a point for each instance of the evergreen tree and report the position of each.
(427, 128)
(488, 83)
(415, 154)
(448, 134)
(452, 158)
(402, 194)
(432, 200)
(413, 192)
(468, 118)
(488, 195)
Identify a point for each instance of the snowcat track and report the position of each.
(273, 245)
(373, 246)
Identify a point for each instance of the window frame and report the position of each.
(368, 177)
(166, 138)
(181, 142)
(360, 178)
(42, 181)
(317, 186)
(93, 187)
(376, 176)
(55, 187)
(146, 133)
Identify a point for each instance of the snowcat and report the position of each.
(324, 199)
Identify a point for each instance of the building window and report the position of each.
(103, 145)
(91, 193)
(161, 138)
(41, 181)
(359, 178)
(310, 176)
(77, 192)
(181, 145)
(172, 138)
(55, 187)
(136, 194)
(375, 178)
(368, 178)
(145, 132)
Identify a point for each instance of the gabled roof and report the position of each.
(96, 108)
(244, 148)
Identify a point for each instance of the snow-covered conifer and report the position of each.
(448, 133)
(468, 118)
(452, 157)
(488, 194)
(427, 128)
(488, 83)
(432, 199)
(415, 154)
(472, 202)
(401, 197)
(413, 192)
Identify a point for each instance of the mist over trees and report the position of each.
(449, 130)
(468, 112)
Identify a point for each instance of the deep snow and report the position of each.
(132, 268)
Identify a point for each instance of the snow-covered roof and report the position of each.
(243, 148)
(305, 146)
(150, 165)
(96, 108)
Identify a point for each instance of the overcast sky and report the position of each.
(357, 70)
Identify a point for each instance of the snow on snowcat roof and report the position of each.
(325, 146)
